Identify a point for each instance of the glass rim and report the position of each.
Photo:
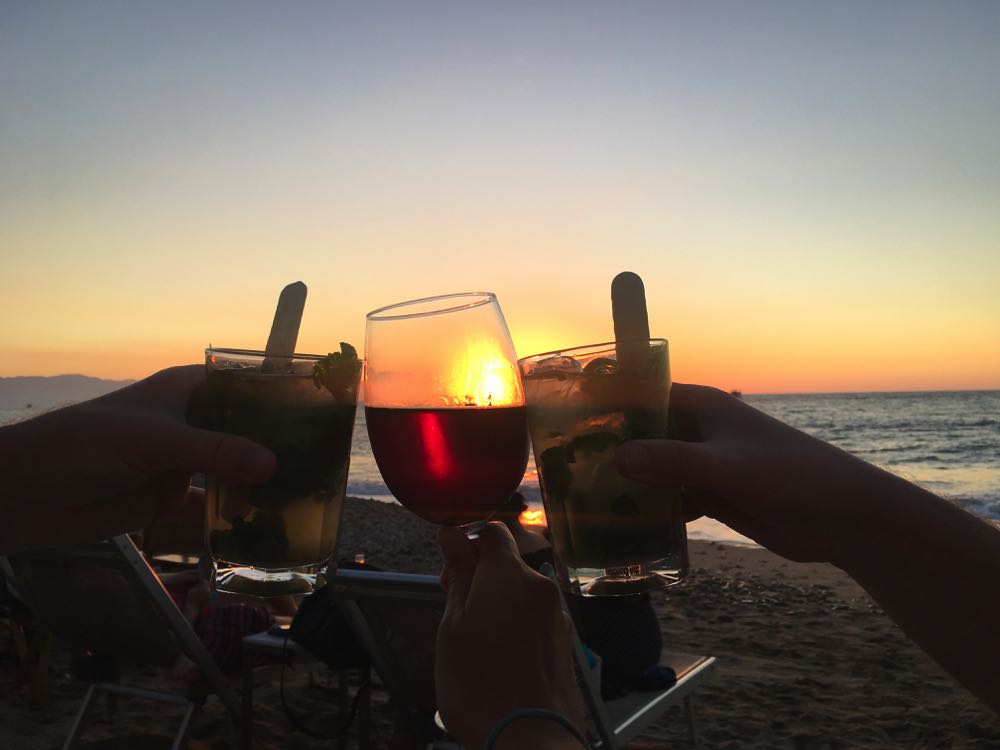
(261, 354)
(484, 298)
(591, 348)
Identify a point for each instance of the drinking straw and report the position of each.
(628, 308)
(285, 328)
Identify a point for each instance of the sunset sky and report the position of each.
(812, 194)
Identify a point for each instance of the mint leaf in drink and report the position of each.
(338, 373)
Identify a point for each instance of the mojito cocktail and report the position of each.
(271, 538)
(613, 535)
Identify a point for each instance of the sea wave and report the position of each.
(987, 506)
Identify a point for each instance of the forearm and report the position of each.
(19, 452)
(935, 569)
(21, 511)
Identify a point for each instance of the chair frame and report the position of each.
(351, 586)
(617, 721)
(613, 723)
(282, 651)
(150, 585)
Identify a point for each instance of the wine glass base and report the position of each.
(472, 529)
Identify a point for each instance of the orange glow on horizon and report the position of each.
(531, 517)
(752, 361)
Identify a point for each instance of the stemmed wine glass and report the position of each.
(445, 406)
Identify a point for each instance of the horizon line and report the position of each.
(732, 391)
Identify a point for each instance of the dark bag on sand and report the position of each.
(322, 629)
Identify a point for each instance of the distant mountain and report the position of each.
(44, 393)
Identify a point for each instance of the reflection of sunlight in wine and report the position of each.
(484, 376)
(433, 441)
(533, 517)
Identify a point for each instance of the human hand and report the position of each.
(114, 464)
(795, 494)
(503, 644)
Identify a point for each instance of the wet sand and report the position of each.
(805, 660)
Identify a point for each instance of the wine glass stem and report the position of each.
(472, 529)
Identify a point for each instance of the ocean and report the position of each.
(948, 442)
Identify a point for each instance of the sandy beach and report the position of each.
(805, 660)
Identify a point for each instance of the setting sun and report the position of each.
(484, 376)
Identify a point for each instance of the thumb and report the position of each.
(460, 560)
(179, 447)
(497, 547)
(669, 462)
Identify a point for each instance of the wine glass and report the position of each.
(445, 406)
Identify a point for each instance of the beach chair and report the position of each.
(614, 722)
(395, 617)
(380, 605)
(106, 598)
(266, 654)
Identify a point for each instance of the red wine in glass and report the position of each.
(450, 466)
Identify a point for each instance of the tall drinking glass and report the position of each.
(271, 539)
(613, 536)
(445, 406)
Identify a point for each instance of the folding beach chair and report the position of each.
(380, 607)
(395, 617)
(106, 598)
(615, 722)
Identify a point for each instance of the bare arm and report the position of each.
(114, 464)
(937, 574)
(933, 567)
